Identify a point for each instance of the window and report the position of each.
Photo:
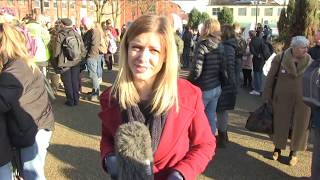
(253, 12)
(242, 11)
(215, 11)
(63, 4)
(37, 3)
(72, 4)
(55, 4)
(46, 3)
(268, 11)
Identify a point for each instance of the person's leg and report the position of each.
(33, 157)
(67, 83)
(99, 67)
(92, 64)
(111, 60)
(245, 77)
(259, 81)
(255, 80)
(6, 172)
(75, 73)
(250, 78)
(222, 128)
(315, 167)
(210, 100)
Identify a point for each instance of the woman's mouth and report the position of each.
(140, 69)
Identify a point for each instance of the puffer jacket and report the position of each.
(207, 65)
(227, 99)
(5, 148)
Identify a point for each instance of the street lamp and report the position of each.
(257, 2)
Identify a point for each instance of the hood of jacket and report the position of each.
(231, 42)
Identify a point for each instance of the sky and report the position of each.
(187, 5)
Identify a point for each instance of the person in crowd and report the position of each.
(92, 41)
(123, 30)
(147, 89)
(260, 53)
(206, 68)
(247, 64)
(103, 49)
(68, 68)
(23, 100)
(290, 114)
(227, 99)
(42, 39)
(241, 46)
(112, 48)
(314, 52)
(187, 38)
(111, 28)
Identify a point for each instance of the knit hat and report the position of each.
(66, 21)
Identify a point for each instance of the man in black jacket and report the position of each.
(261, 53)
(69, 67)
(187, 38)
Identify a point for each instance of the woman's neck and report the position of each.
(144, 89)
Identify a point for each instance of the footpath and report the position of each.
(74, 150)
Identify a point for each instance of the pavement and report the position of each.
(74, 149)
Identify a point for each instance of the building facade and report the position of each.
(247, 12)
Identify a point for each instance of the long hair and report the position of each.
(211, 26)
(227, 32)
(13, 46)
(165, 87)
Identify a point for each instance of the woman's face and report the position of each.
(300, 52)
(144, 57)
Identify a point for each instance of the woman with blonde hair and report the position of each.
(206, 70)
(24, 104)
(148, 90)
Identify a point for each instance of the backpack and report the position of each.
(241, 46)
(311, 85)
(71, 47)
(112, 47)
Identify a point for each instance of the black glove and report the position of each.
(111, 165)
(175, 175)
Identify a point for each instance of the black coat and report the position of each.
(260, 51)
(208, 62)
(5, 148)
(227, 99)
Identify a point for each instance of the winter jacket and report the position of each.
(289, 110)
(92, 40)
(227, 99)
(22, 90)
(260, 52)
(186, 144)
(5, 148)
(59, 60)
(314, 52)
(208, 63)
(247, 60)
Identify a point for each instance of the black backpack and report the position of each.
(71, 47)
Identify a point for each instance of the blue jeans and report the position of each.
(33, 157)
(315, 167)
(6, 172)
(210, 100)
(100, 66)
(257, 80)
(92, 64)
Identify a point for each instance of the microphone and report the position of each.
(134, 152)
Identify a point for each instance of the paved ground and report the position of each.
(74, 149)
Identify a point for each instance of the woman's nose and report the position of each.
(145, 54)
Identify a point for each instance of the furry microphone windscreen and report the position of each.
(134, 152)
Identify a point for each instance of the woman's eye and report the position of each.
(155, 51)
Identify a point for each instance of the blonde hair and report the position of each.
(211, 26)
(165, 89)
(13, 46)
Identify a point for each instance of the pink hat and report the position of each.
(86, 22)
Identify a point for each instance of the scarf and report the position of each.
(143, 114)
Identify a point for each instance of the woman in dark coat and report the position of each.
(289, 111)
(227, 99)
(5, 151)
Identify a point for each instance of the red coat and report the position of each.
(186, 144)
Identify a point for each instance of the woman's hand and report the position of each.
(175, 175)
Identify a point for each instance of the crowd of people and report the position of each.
(185, 118)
